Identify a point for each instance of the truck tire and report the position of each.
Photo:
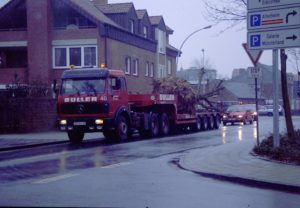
(164, 124)
(122, 129)
(75, 137)
(217, 121)
(197, 126)
(204, 123)
(154, 125)
(211, 123)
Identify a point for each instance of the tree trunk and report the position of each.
(285, 96)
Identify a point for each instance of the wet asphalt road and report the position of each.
(57, 175)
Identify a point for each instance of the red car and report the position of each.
(238, 114)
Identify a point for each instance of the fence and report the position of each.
(21, 115)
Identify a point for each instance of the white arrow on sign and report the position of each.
(258, 4)
(254, 55)
(274, 18)
(288, 38)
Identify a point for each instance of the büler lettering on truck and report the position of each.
(80, 99)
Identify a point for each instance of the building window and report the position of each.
(135, 67)
(75, 56)
(60, 57)
(169, 67)
(131, 26)
(152, 70)
(13, 57)
(161, 42)
(147, 69)
(127, 65)
(90, 56)
(79, 56)
(145, 32)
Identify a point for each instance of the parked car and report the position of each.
(238, 113)
(267, 110)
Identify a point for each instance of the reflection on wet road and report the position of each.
(61, 159)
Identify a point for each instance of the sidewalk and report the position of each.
(233, 162)
(17, 140)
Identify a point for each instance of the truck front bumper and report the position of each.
(85, 124)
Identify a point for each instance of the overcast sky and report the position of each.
(223, 51)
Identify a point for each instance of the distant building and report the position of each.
(40, 39)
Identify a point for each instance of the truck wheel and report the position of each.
(224, 123)
(164, 124)
(154, 125)
(217, 122)
(211, 122)
(75, 137)
(122, 129)
(197, 126)
(204, 123)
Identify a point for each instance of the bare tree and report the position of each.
(232, 12)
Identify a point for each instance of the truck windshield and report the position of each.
(83, 86)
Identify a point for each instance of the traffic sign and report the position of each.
(274, 18)
(285, 38)
(254, 55)
(255, 72)
(259, 4)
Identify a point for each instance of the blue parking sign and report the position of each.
(255, 41)
(255, 20)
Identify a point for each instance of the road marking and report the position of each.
(116, 165)
(56, 178)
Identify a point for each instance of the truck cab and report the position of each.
(91, 100)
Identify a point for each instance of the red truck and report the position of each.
(97, 99)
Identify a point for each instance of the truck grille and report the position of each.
(84, 108)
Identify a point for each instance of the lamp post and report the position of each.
(196, 31)
(203, 58)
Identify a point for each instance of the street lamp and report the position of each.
(178, 54)
(203, 58)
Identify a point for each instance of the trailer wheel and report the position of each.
(217, 121)
(75, 137)
(197, 125)
(211, 123)
(164, 124)
(204, 123)
(122, 129)
(154, 125)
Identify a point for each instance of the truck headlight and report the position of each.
(99, 121)
(240, 116)
(63, 122)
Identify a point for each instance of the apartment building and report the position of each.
(40, 39)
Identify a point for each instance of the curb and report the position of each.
(245, 181)
(31, 145)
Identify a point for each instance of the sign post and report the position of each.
(276, 139)
(255, 73)
(254, 56)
